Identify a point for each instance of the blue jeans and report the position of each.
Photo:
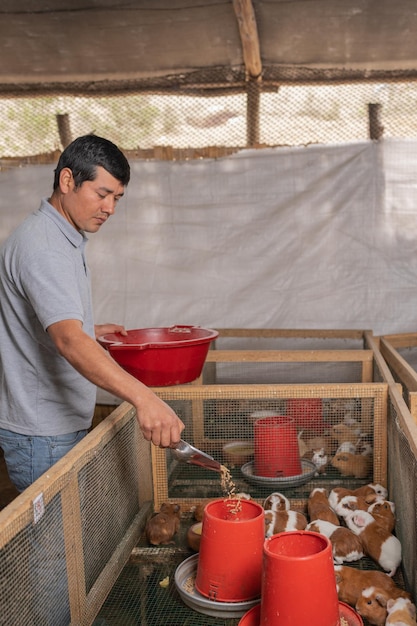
(27, 457)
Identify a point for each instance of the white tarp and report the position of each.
(315, 237)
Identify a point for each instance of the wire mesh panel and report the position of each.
(33, 570)
(326, 416)
(99, 487)
(64, 540)
(287, 115)
(402, 478)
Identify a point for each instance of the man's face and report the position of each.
(90, 205)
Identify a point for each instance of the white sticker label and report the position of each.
(38, 508)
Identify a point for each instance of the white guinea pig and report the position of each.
(378, 543)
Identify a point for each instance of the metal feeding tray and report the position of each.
(349, 615)
(308, 467)
(185, 582)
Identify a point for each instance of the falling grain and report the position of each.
(233, 502)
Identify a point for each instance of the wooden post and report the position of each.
(376, 129)
(64, 129)
(252, 112)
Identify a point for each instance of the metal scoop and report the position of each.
(186, 453)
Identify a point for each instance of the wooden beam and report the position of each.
(249, 37)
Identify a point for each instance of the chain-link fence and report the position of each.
(185, 126)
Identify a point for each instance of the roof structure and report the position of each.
(206, 46)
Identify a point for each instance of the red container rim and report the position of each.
(220, 511)
(145, 338)
(286, 545)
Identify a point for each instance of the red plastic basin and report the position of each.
(159, 357)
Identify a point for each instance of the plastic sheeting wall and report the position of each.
(311, 237)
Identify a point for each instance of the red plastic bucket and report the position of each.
(298, 581)
(231, 551)
(160, 357)
(307, 413)
(276, 447)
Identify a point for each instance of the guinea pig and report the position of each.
(341, 433)
(372, 488)
(343, 504)
(373, 601)
(401, 612)
(350, 582)
(346, 446)
(320, 460)
(346, 546)
(276, 502)
(161, 527)
(357, 465)
(378, 543)
(384, 513)
(282, 521)
(318, 507)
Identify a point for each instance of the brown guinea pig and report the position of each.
(161, 527)
(348, 464)
(318, 506)
(378, 543)
(351, 581)
(346, 546)
(282, 521)
(373, 601)
(401, 611)
(341, 433)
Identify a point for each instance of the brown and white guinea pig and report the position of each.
(401, 612)
(346, 546)
(342, 503)
(350, 582)
(372, 488)
(320, 459)
(371, 493)
(373, 602)
(318, 506)
(161, 527)
(276, 502)
(378, 543)
(283, 521)
(357, 465)
(384, 513)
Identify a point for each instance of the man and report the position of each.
(50, 362)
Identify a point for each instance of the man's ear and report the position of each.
(66, 180)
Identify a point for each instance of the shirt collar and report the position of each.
(78, 239)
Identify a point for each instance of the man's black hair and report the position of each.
(84, 154)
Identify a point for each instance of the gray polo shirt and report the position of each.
(43, 279)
